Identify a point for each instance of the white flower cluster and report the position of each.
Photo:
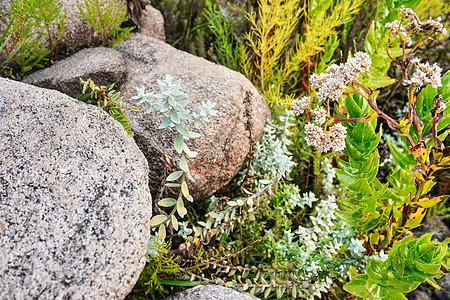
(431, 26)
(424, 74)
(300, 105)
(397, 29)
(320, 115)
(333, 140)
(333, 83)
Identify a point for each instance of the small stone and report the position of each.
(211, 292)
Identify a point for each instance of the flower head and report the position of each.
(332, 84)
(425, 74)
(320, 115)
(333, 140)
(299, 105)
(415, 26)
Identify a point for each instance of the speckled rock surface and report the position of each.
(211, 292)
(74, 199)
(225, 142)
(103, 65)
(152, 23)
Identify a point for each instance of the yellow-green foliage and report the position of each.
(270, 37)
(280, 50)
(33, 27)
(159, 264)
(106, 19)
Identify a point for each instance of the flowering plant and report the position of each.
(383, 214)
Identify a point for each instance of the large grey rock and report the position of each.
(74, 199)
(225, 142)
(103, 65)
(211, 292)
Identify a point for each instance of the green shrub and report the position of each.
(106, 19)
(28, 24)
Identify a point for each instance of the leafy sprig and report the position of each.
(170, 104)
(109, 100)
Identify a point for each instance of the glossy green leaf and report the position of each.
(353, 109)
(357, 286)
(445, 88)
(405, 161)
(361, 186)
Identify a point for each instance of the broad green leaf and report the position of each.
(427, 201)
(405, 161)
(178, 143)
(361, 186)
(158, 219)
(175, 175)
(357, 286)
(347, 217)
(354, 111)
(183, 164)
(346, 178)
(375, 80)
(167, 202)
(425, 101)
(445, 118)
(445, 88)
(406, 3)
(184, 188)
